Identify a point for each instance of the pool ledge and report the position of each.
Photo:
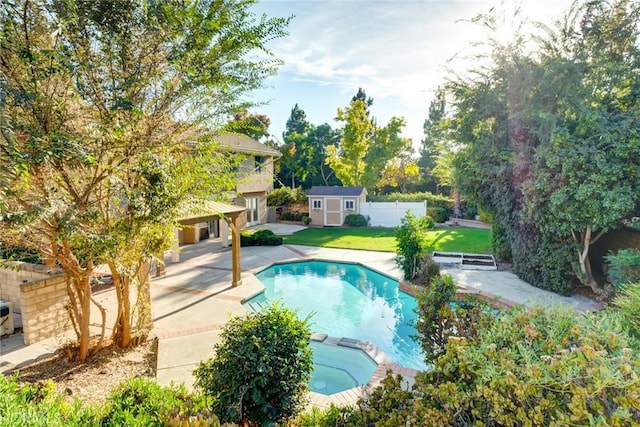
(351, 396)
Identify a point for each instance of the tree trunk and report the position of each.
(586, 240)
(121, 334)
(456, 202)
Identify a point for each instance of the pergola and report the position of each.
(212, 211)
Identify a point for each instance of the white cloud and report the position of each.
(396, 50)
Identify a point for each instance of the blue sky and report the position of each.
(398, 51)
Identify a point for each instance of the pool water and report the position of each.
(339, 368)
(347, 300)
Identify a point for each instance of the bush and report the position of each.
(439, 215)
(429, 270)
(356, 220)
(306, 219)
(142, 402)
(39, 405)
(261, 368)
(334, 416)
(286, 196)
(623, 267)
(439, 318)
(628, 303)
(293, 216)
(259, 238)
(433, 200)
(409, 242)
(500, 243)
(530, 367)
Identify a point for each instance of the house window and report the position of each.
(317, 204)
(349, 205)
(259, 163)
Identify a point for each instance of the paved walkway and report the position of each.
(193, 301)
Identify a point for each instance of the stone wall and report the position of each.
(43, 308)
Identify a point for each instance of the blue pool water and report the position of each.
(339, 368)
(347, 300)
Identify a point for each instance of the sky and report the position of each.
(398, 51)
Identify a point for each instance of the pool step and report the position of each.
(255, 306)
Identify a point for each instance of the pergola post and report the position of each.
(235, 252)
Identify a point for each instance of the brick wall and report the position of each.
(43, 308)
(14, 274)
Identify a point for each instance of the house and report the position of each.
(255, 180)
(328, 206)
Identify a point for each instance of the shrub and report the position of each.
(409, 245)
(623, 267)
(356, 220)
(433, 200)
(500, 243)
(286, 196)
(39, 405)
(306, 219)
(628, 303)
(261, 368)
(429, 270)
(530, 367)
(141, 401)
(333, 416)
(439, 215)
(259, 238)
(439, 318)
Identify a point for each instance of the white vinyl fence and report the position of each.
(388, 214)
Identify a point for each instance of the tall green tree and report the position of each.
(347, 159)
(102, 141)
(429, 146)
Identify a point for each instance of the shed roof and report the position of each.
(336, 191)
(244, 144)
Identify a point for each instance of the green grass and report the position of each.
(458, 239)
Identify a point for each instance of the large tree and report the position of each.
(103, 142)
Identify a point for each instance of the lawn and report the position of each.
(458, 239)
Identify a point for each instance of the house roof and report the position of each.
(244, 144)
(209, 211)
(336, 191)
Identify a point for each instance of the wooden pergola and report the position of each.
(212, 211)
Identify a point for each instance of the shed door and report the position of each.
(333, 212)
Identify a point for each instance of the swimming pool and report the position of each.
(347, 300)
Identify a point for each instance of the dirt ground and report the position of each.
(91, 382)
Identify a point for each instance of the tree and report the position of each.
(347, 160)
(429, 147)
(261, 368)
(386, 144)
(103, 139)
(400, 172)
(586, 169)
(253, 125)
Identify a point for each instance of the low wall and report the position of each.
(38, 294)
(14, 273)
(43, 308)
(389, 214)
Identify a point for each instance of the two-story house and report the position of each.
(255, 180)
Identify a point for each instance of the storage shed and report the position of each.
(328, 206)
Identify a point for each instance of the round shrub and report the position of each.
(439, 215)
(261, 368)
(356, 220)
